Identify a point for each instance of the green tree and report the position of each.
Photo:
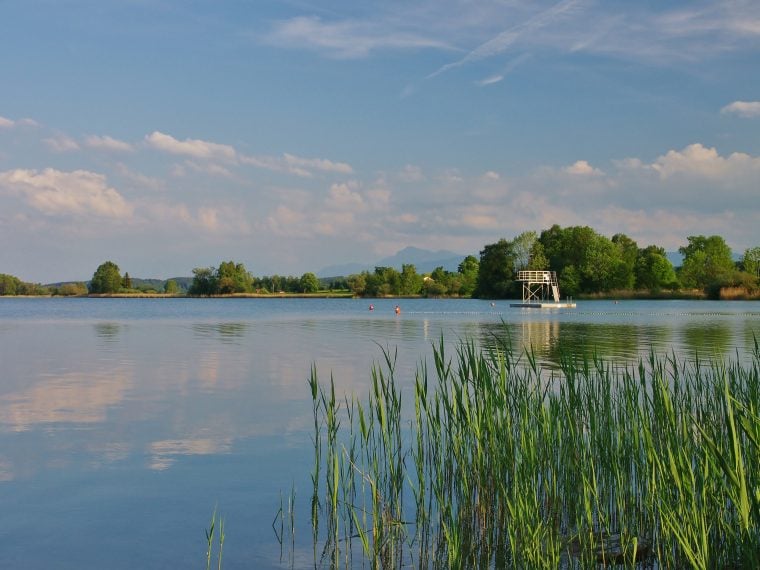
(496, 271)
(625, 270)
(204, 282)
(654, 270)
(751, 261)
(538, 261)
(233, 277)
(437, 284)
(9, 285)
(385, 281)
(72, 289)
(707, 262)
(358, 283)
(522, 246)
(468, 271)
(126, 282)
(410, 282)
(570, 281)
(598, 263)
(106, 279)
(171, 287)
(309, 283)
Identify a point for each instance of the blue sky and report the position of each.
(166, 135)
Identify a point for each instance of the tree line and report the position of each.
(586, 263)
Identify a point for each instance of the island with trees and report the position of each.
(588, 265)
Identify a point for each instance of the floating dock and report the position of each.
(538, 288)
(542, 305)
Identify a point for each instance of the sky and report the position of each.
(292, 135)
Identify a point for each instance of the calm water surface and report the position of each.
(125, 422)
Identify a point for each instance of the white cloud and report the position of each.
(209, 168)
(451, 176)
(582, 168)
(303, 167)
(411, 173)
(346, 196)
(490, 80)
(287, 221)
(107, 143)
(749, 109)
(210, 151)
(61, 143)
(217, 220)
(195, 148)
(296, 162)
(379, 198)
(140, 180)
(6, 123)
(79, 193)
(208, 218)
(347, 38)
(697, 160)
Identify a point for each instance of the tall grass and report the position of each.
(498, 463)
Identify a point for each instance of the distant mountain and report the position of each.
(424, 261)
(343, 270)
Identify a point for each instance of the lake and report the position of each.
(125, 422)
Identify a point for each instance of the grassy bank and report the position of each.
(496, 463)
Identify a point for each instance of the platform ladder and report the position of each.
(538, 285)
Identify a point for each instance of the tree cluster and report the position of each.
(587, 263)
(231, 278)
(12, 285)
(388, 281)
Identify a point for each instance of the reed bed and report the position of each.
(501, 464)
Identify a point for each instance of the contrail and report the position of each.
(508, 37)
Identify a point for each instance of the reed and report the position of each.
(500, 463)
(211, 532)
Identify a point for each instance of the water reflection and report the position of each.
(226, 332)
(165, 453)
(623, 342)
(94, 403)
(107, 331)
(81, 398)
(711, 341)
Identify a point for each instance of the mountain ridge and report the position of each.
(424, 261)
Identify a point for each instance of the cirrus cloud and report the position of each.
(346, 39)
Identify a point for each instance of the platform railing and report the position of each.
(537, 276)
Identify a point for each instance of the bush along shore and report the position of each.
(502, 464)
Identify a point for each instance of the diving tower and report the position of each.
(540, 290)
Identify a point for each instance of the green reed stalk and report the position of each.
(503, 464)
